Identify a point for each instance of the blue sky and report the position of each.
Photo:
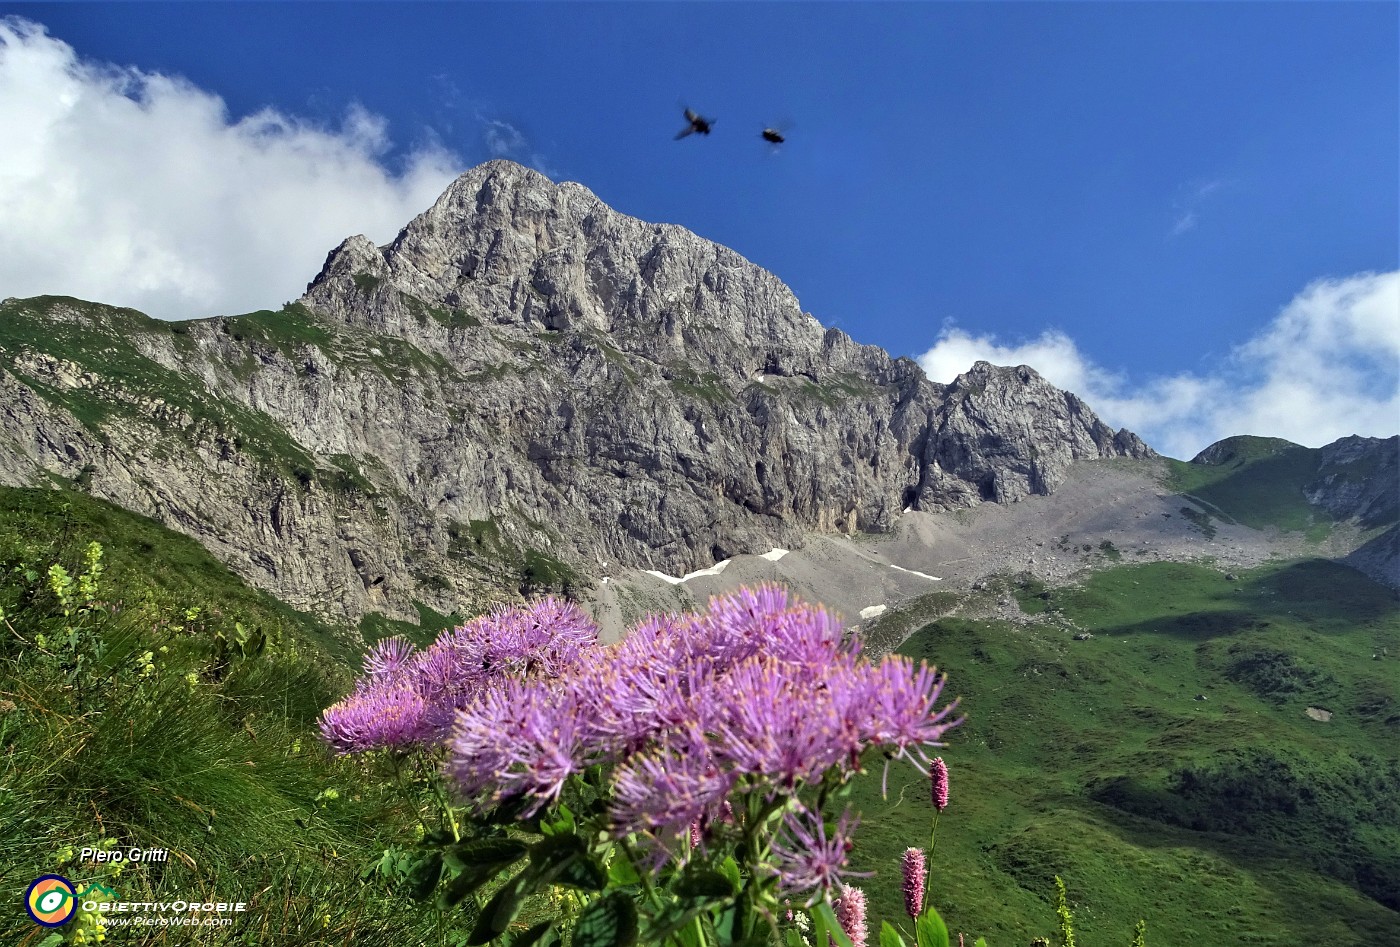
(1187, 213)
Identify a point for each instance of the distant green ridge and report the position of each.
(1166, 766)
(1256, 481)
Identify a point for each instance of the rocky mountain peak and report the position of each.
(506, 243)
(527, 383)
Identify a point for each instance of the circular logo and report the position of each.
(51, 900)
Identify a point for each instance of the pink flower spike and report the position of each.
(913, 868)
(938, 780)
(850, 914)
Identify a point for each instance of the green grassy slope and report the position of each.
(138, 719)
(1257, 481)
(1166, 768)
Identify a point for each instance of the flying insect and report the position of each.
(698, 123)
(775, 134)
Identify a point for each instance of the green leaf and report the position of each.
(564, 824)
(51, 941)
(833, 927)
(669, 920)
(703, 883)
(688, 936)
(501, 910)
(423, 879)
(889, 937)
(565, 860)
(727, 925)
(621, 873)
(981, 942)
(551, 853)
(438, 838)
(584, 872)
(930, 931)
(490, 853)
(470, 879)
(730, 869)
(607, 922)
(819, 926)
(511, 812)
(542, 934)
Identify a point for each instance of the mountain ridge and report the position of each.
(524, 390)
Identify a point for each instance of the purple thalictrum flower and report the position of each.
(900, 705)
(388, 657)
(543, 640)
(385, 717)
(517, 738)
(757, 621)
(785, 723)
(669, 788)
(808, 859)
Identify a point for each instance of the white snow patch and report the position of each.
(605, 580)
(715, 569)
(922, 575)
(872, 611)
(773, 555)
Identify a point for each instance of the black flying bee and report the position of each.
(698, 123)
(775, 134)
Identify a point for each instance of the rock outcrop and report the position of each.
(525, 385)
(1358, 478)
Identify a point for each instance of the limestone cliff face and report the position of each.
(525, 386)
(1358, 478)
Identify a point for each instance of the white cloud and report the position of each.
(1187, 205)
(1328, 365)
(1184, 222)
(504, 140)
(138, 189)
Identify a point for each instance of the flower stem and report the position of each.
(932, 842)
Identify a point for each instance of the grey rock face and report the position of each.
(1359, 478)
(524, 382)
(1004, 433)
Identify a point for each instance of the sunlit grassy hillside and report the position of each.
(1167, 768)
(156, 701)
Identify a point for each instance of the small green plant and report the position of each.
(1062, 910)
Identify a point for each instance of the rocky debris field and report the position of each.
(1106, 512)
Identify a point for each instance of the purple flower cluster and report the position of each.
(408, 697)
(758, 697)
(759, 694)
